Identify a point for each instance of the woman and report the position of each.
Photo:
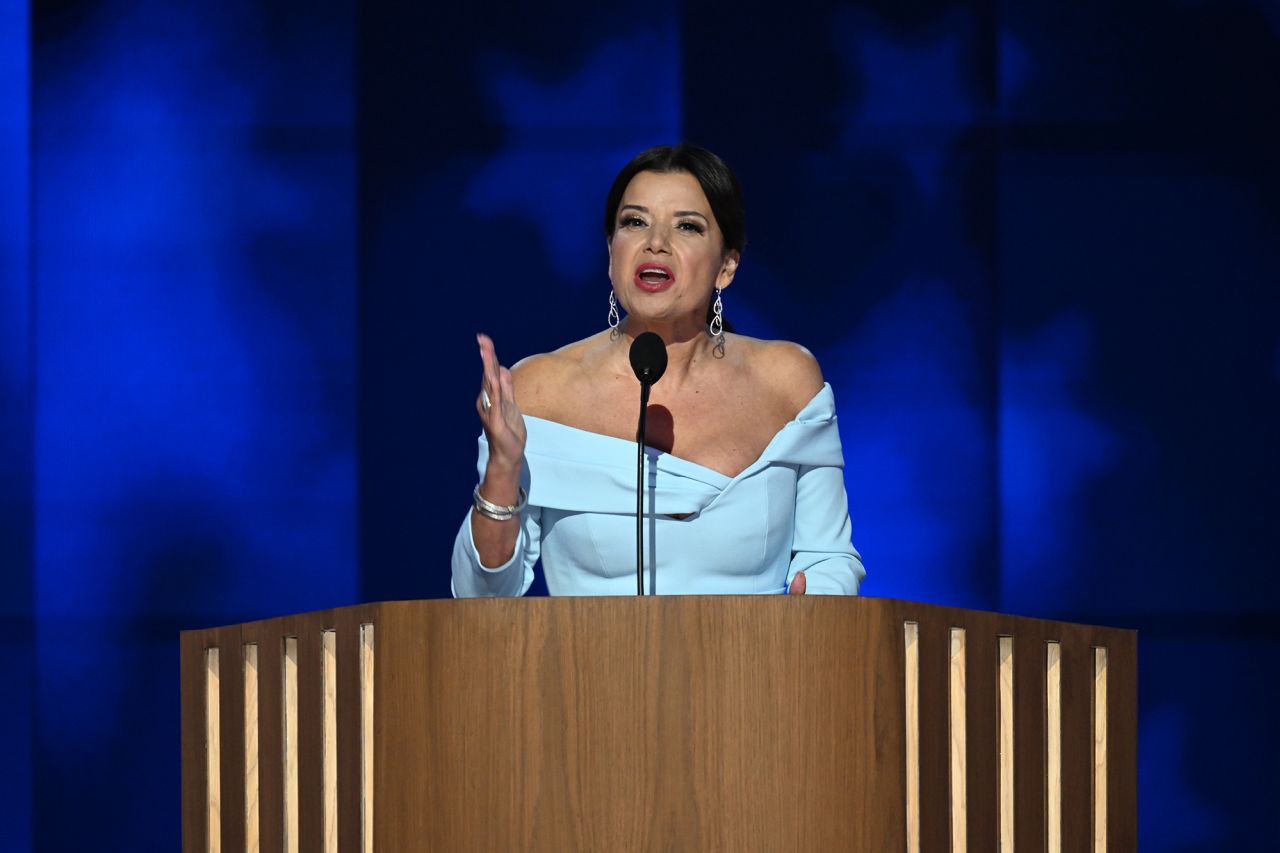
(746, 490)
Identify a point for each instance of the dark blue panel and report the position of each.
(195, 362)
(16, 624)
(1140, 401)
(1141, 467)
(1208, 739)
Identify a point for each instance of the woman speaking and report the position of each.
(744, 488)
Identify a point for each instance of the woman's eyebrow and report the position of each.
(644, 209)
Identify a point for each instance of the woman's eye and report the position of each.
(632, 222)
(691, 227)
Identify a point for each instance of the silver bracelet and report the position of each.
(498, 512)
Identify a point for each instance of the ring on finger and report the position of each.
(484, 399)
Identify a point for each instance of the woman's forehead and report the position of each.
(677, 190)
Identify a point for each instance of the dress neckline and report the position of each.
(680, 461)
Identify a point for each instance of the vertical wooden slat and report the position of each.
(957, 738)
(289, 729)
(1028, 735)
(213, 751)
(1100, 750)
(911, 632)
(252, 838)
(1006, 787)
(329, 743)
(366, 736)
(1053, 747)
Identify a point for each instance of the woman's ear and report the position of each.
(728, 268)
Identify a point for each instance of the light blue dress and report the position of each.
(786, 513)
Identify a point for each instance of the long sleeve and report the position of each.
(821, 547)
(471, 578)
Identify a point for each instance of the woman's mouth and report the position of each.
(654, 277)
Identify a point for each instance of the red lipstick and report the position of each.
(654, 277)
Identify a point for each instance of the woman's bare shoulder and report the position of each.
(785, 370)
(542, 380)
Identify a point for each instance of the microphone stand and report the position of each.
(648, 357)
(644, 410)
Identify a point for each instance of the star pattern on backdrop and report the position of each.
(911, 95)
(566, 139)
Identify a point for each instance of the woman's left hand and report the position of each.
(797, 585)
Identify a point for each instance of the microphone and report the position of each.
(648, 361)
(648, 358)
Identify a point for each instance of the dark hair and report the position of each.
(717, 180)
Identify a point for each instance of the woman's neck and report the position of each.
(686, 342)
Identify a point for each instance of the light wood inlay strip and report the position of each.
(366, 737)
(252, 832)
(911, 632)
(289, 726)
(1100, 750)
(958, 737)
(329, 745)
(1053, 747)
(212, 753)
(1005, 772)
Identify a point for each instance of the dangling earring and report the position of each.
(716, 326)
(614, 319)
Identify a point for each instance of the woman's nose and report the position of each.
(659, 239)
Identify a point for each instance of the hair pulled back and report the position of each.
(717, 180)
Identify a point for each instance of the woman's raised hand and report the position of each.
(495, 539)
(499, 414)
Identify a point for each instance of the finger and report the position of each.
(489, 357)
(486, 357)
(797, 584)
(507, 385)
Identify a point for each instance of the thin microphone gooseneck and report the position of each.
(649, 361)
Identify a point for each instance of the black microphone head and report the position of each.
(648, 358)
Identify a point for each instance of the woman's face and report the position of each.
(667, 253)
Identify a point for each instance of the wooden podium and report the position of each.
(780, 723)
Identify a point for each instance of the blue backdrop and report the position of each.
(244, 249)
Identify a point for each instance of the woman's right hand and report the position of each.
(495, 541)
(503, 424)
